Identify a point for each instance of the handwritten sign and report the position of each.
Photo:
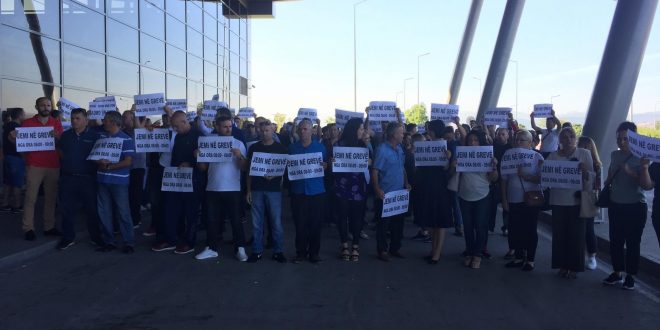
(66, 106)
(177, 104)
(474, 159)
(210, 109)
(157, 140)
(543, 110)
(644, 146)
(100, 106)
(342, 117)
(265, 164)
(395, 202)
(108, 149)
(215, 149)
(497, 116)
(350, 160)
(246, 113)
(149, 104)
(191, 115)
(177, 179)
(35, 139)
(305, 166)
(430, 153)
(444, 112)
(562, 174)
(309, 113)
(517, 158)
(382, 111)
(375, 126)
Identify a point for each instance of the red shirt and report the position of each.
(47, 159)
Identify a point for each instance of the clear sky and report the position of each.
(304, 57)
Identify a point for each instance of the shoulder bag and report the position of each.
(604, 200)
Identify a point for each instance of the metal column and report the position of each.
(619, 69)
(464, 52)
(501, 55)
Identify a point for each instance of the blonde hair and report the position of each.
(589, 144)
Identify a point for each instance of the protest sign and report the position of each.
(342, 117)
(66, 106)
(305, 166)
(382, 111)
(100, 106)
(210, 109)
(542, 110)
(644, 146)
(474, 159)
(216, 97)
(35, 139)
(349, 160)
(308, 113)
(430, 153)
(177, 179)
(191, 115)
(395, 202)
(376, 126)
(149, 104)
(156, 140)
(497, 116)
(444, 112)
(562, 174)
(108, 149)
(517, 158)
(215, 149)
(265, 164)
(246, 113)
(177, 104)
(421, 129)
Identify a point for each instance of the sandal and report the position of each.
(355, 255)
(345, 254)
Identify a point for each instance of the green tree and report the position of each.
(329, 120)
(578, 129)
(416, 114)
(279, 119)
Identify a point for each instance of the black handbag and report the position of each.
(604, 200)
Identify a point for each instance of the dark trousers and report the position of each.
(626, 226)
(656, 225)
(523, 236)
(568, 232)
(350, 218)
(223, 205)
(135, 184)
(590, 236)
(475, 224)
(393, 225)
(74, 191)
(181, 210)
(154, 182)
(308, 219)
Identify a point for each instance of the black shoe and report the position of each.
(629, 283)
(397, 254)
(127, 250)
(614, 279)
(431, 261)
(106, 248)
(52, 232)
(419, 237)
(527, 267)
(254, 257)
(486, 255)
(30, 235)
(15, 210)
(6, 208)
(298, 259)
(514, 264)
(315, 259)
(279, 257)
(64, 244)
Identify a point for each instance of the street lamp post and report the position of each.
(479, 79)
(397, 96)
(516, 63)
(355, 55)
(404, 91)
(553, 97)
(418, 57)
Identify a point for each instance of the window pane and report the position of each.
(81, 98)
(176, 32)
(18, 59)
(222, 32)
(244, 68)
(123, 10)
(211, 8)
(83, 68)
(195, 68)
(47, 15)
(176, 87)
(210, 74)
(159, 3)
(210, 50)
(177, 8)
(234, 101)
(122, 41)
(194, 16)
(195, 42)
(234, 25)
(97, 5)
(210, 91)
(234, 43)
(176, 60)
(234, 64)
(234, 83)
(152, 52)
(152, 81)
(82, 26)
(152, 20)
(22, 95)
(195, 93)
(244, 50)
(122, 77)
(210, 27)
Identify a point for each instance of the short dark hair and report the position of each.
(14, 113)
(391, 128)
(220, 119)
(627, 126)
(79, 111)
(41, 98)
(113, 116)
(224, 112)
(410, 127)
(437, 126)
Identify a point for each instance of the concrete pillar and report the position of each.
(464, 52)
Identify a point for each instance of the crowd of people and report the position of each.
(112, 195)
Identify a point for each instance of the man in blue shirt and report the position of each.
(113, 187)
(389, 174)
(307, 199)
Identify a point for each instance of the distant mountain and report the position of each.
(641, 119)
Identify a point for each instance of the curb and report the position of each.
(20, 257)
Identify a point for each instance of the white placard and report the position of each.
(305, 166)
(395, 202)
(177, 104)
(350, 160)
(644, 146)
(430, 153)
(375, 126)
(149, 104)
(421, 129)
(100, 106)
(191, 115)
(382, 111)
(265, 164)
(517, 158)
(66, 106)
(497, 116)
(343, 116)
(35, 139)
(210, 109)
(309, 113)
(156, 140)
(177, 179)
(563, 174)
(542, 110)
(108, 149)
(444, 112)
(474, 159)
(246, 113)
(215, 149)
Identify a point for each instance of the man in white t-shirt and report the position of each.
(549, 135)
(223, 194)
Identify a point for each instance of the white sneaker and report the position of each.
(592, 263)
(206, 254)
(241, 255)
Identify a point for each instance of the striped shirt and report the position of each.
(118, 176)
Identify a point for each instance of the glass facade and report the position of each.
(82, 49)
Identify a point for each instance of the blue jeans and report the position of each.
(271, 201)
(114, 198)
(475, 224)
